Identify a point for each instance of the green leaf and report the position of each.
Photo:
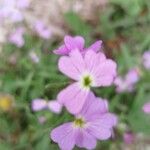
(78, 26)
(139, 121)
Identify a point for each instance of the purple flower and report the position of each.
(92, 123)
(146, 59)
(54, 106)
(132, 76)
(128, 82)
(91, 70)
(42, 119)
(42, 30)
(9, 10)
(34, 57)
(128, 138)
(146, 108)
(17, 37)
(41, 104)
(77, 42)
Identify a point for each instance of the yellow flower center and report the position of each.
(79, 122)
(87, 81)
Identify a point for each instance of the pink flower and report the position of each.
(41, 104)
(128, 82)
(34, 57)
(77, 42)
(42, 30)
(128, 138)
(146, 108)
(92, 123)
(91, 70)
(17, 37)
(42, 119)
(9, 10)
(146, 59)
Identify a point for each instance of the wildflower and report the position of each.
(146, 59)
(77, 42)
(42, 119)
(91, 70)
(146, 108)
(6, 102)
(92, 123)
(34, 57)
(41, 104)
(42, 30)
(128, 137)
(17, 37)
(128, 82)
(9, 10)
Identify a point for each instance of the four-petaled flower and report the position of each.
(91, 123)
(91, 70)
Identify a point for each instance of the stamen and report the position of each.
(87, 81)
(79, 122)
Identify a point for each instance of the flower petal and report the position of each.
(66, 66)
(73, 98)
(64, 135)
(94, 107)
(105, 73)
(96, 46)
(132, 77)
(108, 120)
(74, 42)
(104, 81)
(93, 59)
(99, 132)
(103, 104)
(54, 106)
(77, 60)
(101, 127)
(85, 140)
(80, 42)
(62, 50)
(38, 104)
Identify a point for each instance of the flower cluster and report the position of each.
(88, 68)
(12, 9)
